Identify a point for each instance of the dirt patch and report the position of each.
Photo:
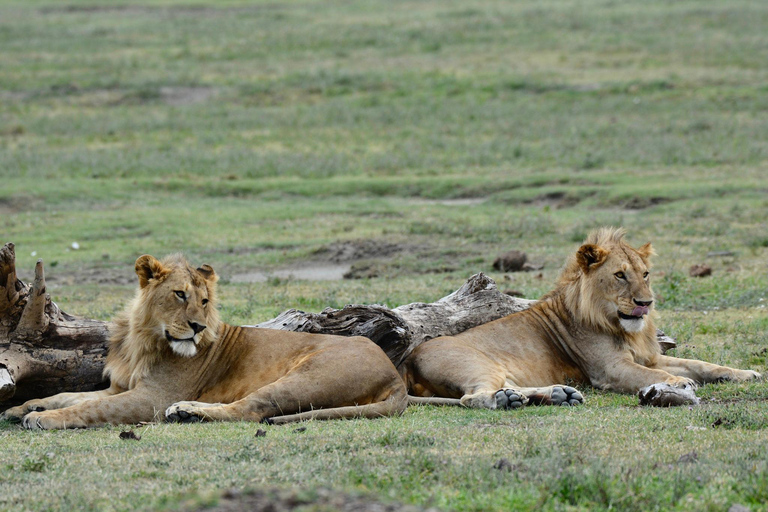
(117, 275)
(306, 272)
(331, 262)
(179, 96)
(641, 203)
(555, 200)
(459, 201)
(355, 250)
(319, 500)
(17, 204)
(194, 10)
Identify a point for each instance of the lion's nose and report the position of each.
(645, 303)
(196, 327)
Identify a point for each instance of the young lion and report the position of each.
(170, 347)
(595, 328)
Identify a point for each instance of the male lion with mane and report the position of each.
(169, 347)
(595, 328)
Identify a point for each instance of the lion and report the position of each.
(595, 328)
(171, 356)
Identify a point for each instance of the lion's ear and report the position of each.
(590, 256)
(208, 274)
(147, 267)
(646, 251)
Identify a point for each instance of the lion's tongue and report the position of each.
(640, 311)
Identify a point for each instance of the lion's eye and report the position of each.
(645, 275)
(620, 275)
(205, 301)
(180, 294)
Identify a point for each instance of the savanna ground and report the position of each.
(406, 143)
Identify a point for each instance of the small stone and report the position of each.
(129, 434)
(511, 261)
(702, 270)
(261, 433)
(688, 458)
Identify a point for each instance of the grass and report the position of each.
(251, 135)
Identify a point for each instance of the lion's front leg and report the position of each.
(193, 412)
(703, 372)
(129, 407)
(624, 375)
(59, 401)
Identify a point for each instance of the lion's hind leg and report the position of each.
(513, 397)
(504, 398)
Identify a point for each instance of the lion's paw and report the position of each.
(681, 382)
(183, 412)
(557, 395)
(15, 414)
(746, 375)
(43, 420)
(566, 395)
(510, 399)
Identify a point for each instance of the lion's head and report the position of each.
(607, 283)
(176, 303)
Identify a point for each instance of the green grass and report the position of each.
(251, 135)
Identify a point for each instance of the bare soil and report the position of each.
(331, 262)
(307, 272)
(355, 250)
(321, 500)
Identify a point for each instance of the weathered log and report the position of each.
(398, 331)
(44, 351)
(664, 395)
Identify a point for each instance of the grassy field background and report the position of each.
(408, 143)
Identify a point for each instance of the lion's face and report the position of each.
(616, 280)
(178, 302)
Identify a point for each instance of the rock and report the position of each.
(702, 270)
(512, 261)
(129, 434)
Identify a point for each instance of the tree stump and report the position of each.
(44, 351)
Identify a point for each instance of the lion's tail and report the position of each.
(432, 400)
(393, 405)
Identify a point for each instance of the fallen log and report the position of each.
(44, 351)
